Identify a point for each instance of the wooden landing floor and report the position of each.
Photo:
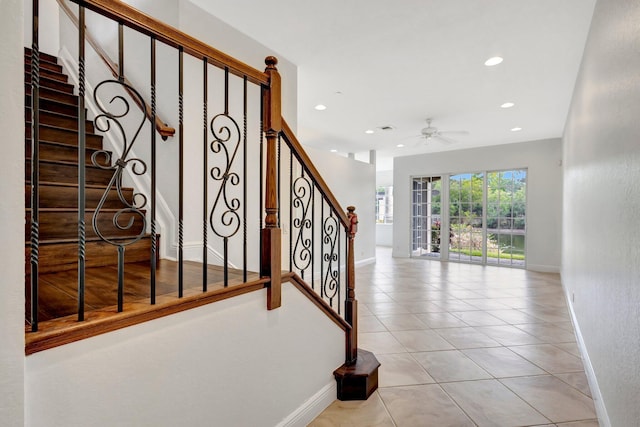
(58, 292)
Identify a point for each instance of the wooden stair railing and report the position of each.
(357, 378)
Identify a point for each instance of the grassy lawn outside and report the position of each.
(490, 254)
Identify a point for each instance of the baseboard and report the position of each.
(601, 410)
(310, 409)
(543, 268)
(365, 261)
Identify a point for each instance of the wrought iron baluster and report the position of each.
(180, 172)
(302, 189)
(244, 184)
(82, 141)
(224, 218)
(330, 281)
(125, 218)
(262, 194)
(322, 258)
(205, 195)
(35, 164)
(278, 186)
(154, 236)
(290, 210)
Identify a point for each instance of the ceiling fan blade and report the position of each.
(445, 140)
(454, 132)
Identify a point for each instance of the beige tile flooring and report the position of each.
(465, 345)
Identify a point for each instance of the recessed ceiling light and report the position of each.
(334, 151)
(507, 105)
(369, 131)
(516, 129)
(320, 107)
(400, 145)
(493, 61)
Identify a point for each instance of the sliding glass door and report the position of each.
(506, 217)
(482, 214)
(466, 210)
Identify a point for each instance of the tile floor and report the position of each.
(465, 345)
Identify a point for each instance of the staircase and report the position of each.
(58, 170)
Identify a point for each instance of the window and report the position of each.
(384, 205)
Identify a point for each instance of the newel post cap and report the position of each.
(271, 62)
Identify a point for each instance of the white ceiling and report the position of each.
(379, 62)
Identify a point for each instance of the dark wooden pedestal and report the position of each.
(358, 381)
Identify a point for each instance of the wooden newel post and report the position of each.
(271, 234)
(351, 304)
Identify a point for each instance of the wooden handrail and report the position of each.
(303, 158)
(313, 296)
(163, 129)
(141, 22)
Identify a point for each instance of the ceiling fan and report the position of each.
(431, 133)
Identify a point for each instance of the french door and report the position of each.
(426, 222)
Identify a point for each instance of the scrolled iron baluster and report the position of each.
(227, 138)
(331, 280)
(103, 122)
(302, 191)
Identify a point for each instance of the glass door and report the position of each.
(506, 217)
(466, 209)
(426, 221)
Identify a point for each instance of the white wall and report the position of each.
(232, 363)
(601, 225)
(12, 215)
(544, 192)
(201, 25)
(353, 183)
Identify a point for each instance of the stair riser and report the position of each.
(64, 153)
(58, 120)
(55, 95)
(53, 75)
(51, 105)
(64, 173)
(50, 83)
(64, 225)
(43, 56)
(65, 136)
(44, 65)
(62, 257)
(52, 196)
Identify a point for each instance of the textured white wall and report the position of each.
(12, 215)
(544, 191)
(601, 226)
(231, 363)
